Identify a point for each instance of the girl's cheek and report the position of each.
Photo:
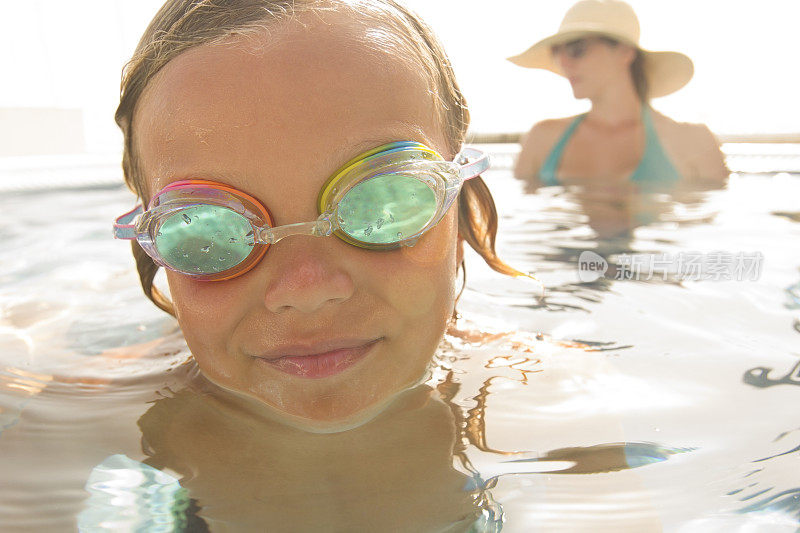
(421, 278)
(199, 304)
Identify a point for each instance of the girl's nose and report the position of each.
(305, 276)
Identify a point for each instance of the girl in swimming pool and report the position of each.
(304, 184)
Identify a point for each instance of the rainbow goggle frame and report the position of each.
(383, 199)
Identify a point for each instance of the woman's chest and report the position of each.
(612, 156)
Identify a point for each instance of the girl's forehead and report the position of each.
(278, 92)
(322, 46)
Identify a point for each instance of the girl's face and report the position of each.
(319, 330)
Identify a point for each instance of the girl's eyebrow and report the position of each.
(397, 132)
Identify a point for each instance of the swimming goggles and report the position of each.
(383, 199)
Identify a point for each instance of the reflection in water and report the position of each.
(785, 503)
(759, 377)
(793, 293)
(793, 450)
(607, 457)
(126, 495)
(614, 211)
(793, 216)
(214, 459)
(395, 473)
(17, 387)
(555, 235)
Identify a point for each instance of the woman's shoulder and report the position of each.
(694, 147)
(688, 132)
(545, 133)
(536, 145)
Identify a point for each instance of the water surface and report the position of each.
(632, 404)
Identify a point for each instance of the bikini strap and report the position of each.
(655, 170)
(547, 174)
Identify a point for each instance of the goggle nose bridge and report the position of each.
(321, 227)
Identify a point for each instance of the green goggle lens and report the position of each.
(205, 239)
(386, 209)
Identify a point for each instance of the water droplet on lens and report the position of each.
(413, 196)
(368, 231)
(399, 234)
(379, 223)
(185, 256)
(206, 249)
(232, 240)
(222, 259)
(186, 218)
(391, 217)
(158, 234)
(340, 218)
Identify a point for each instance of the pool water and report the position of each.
(657, 398)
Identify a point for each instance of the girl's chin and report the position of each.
(316, 414)
(332, 419)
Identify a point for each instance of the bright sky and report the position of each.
(69, 55)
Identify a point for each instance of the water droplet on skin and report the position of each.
(206, 249)
(379, 223)
(186, 218)
(368, 231)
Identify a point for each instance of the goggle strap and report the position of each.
(124, 226)
(471, 169)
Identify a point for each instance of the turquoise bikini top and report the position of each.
(654, 170)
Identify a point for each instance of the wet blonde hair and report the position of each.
(184, 24)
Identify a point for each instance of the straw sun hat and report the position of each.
(666, 72)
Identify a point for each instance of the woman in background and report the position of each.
(621, 144)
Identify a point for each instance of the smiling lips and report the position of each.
(319, 361)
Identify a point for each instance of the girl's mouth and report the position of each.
(321, 362)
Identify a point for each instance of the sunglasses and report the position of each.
(383, 199)
(577, 49)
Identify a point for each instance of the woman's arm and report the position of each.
(536, 144)
(708, 164)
